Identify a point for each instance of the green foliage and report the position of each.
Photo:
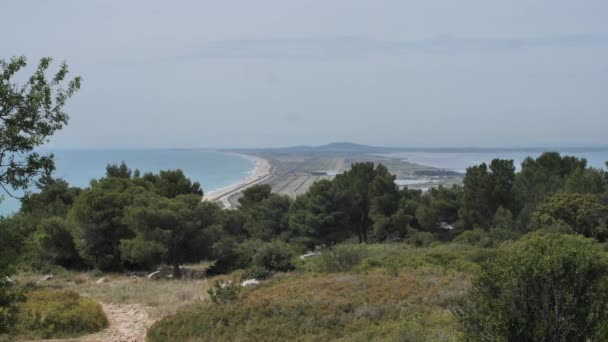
(30, 113)
(10, 296)
(167, 229)
(551, 287)
(56, 314)
(55, 198)
(268, 218)
(172, 183)
(224, 292)
(438, 205)
(255, 194)
(503, 219)
(98, 221)
(232, 254)
(328, 307)
(317, 216)
(586, 214)
(143, 253)
(54, 243)
(341, 258)
(542, 177)
(118, 171)
(485, 190)
(363, 201)
(274, 256)
(421, 239)
(482, 238)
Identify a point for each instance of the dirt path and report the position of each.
(127, 323)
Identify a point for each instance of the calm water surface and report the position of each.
(214, 170)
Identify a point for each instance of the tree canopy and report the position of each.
(29, 114)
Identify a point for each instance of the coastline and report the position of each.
(261, 171)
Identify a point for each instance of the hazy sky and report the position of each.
(275, 73)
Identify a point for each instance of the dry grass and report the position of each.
(315, 307)
(163, 296)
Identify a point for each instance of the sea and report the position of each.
(214, 170)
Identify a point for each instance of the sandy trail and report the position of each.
(127, 323)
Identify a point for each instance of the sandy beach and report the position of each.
(261, 172)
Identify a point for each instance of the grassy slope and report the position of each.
(395, 292)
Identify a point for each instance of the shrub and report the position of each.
(256, 272)
(491, 238)
(274, 256)
(329, 307)
(232, 255)
(224, 292)
(55, 244)
(471, 237)
(341, 258)
(10, 296)
(421, 239)
(585, 213)
(552, 287)
(48, 314)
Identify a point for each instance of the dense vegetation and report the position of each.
(48, 313)
(394, 264)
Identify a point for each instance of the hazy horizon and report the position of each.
(203, 74)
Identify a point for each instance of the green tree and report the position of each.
(172, 183)
(485, 189)
(317, 218)
(10, 295)
(586, 214)
(543, 288)
(167, 230)
(590, 181)
(542, 177)
(29, 114)
(275, 256)
(268, 219)
(98, 221)
(388, 220)
(55, 244)
(118, 171)
(55, 198)
(364, 192)
(255, 194)
(438, 205)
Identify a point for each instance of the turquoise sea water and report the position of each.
(214, 170)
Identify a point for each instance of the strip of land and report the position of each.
(261, 172)
(292, 171)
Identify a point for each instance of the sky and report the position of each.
(242, 73)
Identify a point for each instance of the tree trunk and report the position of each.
(177, 272)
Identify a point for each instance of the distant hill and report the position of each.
(335, 147)
(353, 148)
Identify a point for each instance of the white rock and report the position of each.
(225, 284)
(250, 282)
(154, 275)
(46, 277)
(309, 255)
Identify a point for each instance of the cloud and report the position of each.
(329, 48)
